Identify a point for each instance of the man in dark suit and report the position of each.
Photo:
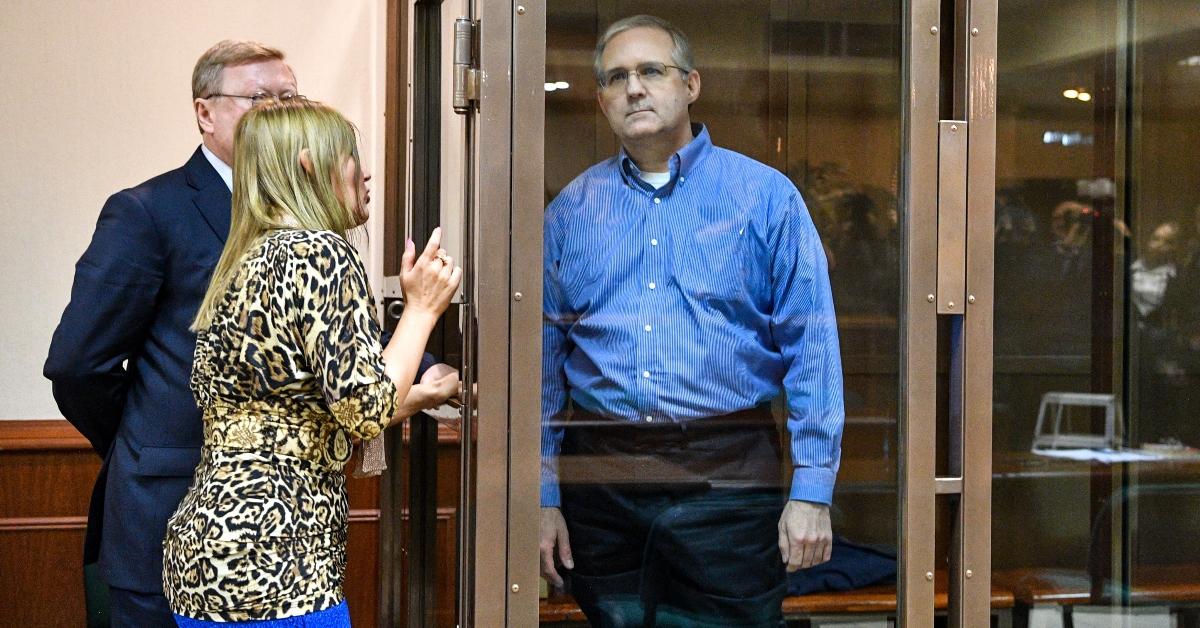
(121, 358)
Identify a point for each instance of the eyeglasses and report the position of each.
(259, 98)
(651, 73)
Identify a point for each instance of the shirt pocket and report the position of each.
(713, 264)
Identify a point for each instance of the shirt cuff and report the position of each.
(550, 494)
(809, 484)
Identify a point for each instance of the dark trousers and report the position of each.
(134, 609)
(675, 525)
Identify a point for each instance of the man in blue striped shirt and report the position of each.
(685, 289)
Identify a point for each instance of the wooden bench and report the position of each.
(878, 601)
(1055, 591)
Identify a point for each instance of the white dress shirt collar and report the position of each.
(221, 167)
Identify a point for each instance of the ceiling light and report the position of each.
(1084, 96)
(1192, 61)
(562, 85)
(551, 86)
(1071, 93)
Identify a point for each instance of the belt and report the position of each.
(259, 428)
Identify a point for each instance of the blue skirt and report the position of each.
(333, 617)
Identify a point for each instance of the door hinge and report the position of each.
(466, 65)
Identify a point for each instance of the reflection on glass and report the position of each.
(693, 364)
(1096, 311)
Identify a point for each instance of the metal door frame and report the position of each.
(509, 192)
(950, 82)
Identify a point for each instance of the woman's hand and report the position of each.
(430, 279)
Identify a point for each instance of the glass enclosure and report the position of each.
(1092, 367)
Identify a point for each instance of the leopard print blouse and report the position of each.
(287, 374)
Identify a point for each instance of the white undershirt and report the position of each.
(656, 179)
(221, 167)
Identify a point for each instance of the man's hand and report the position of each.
(554, 535)
(805, 536)
(437, 385)
(437, 372)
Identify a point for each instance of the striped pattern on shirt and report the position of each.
(707, 296)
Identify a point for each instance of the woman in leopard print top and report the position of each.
(289, 372)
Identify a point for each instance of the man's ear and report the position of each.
(693, 84)
(306, 160)
(204, 116)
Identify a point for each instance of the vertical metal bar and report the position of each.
(465, 530)
(1104, 565)
(395, 222)
(426, 207)
(466, 53)
(919, 318)
(975, 511)
(525, 358)
(492, 138)
(1124, 516)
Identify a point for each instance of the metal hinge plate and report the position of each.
(466, 65)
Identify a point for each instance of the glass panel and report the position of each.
(1097, 475)
(674, 312)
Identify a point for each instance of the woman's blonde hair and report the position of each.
(274, 189)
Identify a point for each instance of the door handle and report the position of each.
(952, 217)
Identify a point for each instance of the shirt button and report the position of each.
(646, 374)
(649, 418)
(653, 285)
(647, 328)
(654, 242)
(657, 200)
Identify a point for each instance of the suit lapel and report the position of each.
(212, 198)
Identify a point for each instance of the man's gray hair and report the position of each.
(680, 56)
(206, 77)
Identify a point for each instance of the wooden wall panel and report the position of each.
(362, 567)
(43, 582)
(46, 474)
(445, 569)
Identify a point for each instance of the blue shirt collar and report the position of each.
(681, 163)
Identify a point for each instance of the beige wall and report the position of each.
(95, 97)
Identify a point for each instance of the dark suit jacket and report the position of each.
(121, 359)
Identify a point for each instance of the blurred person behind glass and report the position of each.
(288, 372)
(1162, 352)
(1152, 273)
(1181, 309)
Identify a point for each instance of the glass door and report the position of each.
(809, 95)
(1096, 471)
